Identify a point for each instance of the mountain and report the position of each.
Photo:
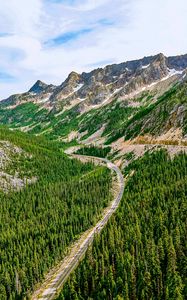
(109, 102)
(137, 112)
(102, 84)
(38, 87)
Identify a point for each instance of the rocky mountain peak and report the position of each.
(72, 78)
(160, 57)
(158, 68)
(38, 87)
(68, 87)
(160, 60)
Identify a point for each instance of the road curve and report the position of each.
(57, 277)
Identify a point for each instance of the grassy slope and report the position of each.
(53, 125)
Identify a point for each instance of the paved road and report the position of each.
(57, 277)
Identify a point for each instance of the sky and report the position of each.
(47, 39)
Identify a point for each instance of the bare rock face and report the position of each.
(156, 70)
(145, 75)
(126, 78)
(69, 85)
(38, 87)
(177, 62)
(103, 84)
(67, 91)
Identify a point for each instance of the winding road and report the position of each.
(57, 277)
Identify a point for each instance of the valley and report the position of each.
(70, 227)
(57, 277)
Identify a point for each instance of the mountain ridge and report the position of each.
(105, 104)
(94, 85)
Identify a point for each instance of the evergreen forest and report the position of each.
(40, 221)
(141, 253)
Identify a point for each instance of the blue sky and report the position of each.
(47, 39)
(67, 37)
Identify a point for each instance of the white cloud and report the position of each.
(119, 30)
(20, 17)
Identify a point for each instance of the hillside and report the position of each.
(42, 219)
(15, 172)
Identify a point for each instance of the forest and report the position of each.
(141, 253)
(39, 222)
(94, 151)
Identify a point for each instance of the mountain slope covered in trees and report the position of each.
(141, 254)
(40, 221)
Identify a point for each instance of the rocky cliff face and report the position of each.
(38, 87)
(102, 85)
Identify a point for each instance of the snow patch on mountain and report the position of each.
(146, 66)
(78, 87)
